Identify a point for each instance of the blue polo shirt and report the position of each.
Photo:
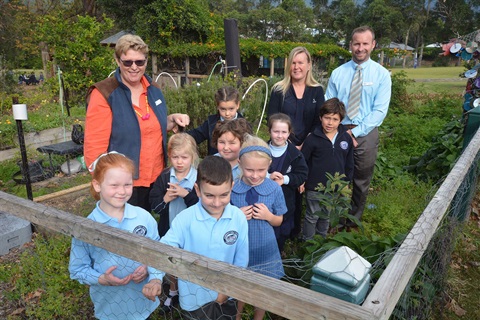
(178, 204)
(376, 93)
(225, 239)
(88, 263)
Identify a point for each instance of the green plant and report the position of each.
(400, 101)
(335, 198)
(41, 278)
(446, 146)
(83, 62)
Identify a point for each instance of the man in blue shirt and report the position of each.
(365, 87)
(213, 228)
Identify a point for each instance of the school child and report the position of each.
(227, 100)
(288, 169)
(228, 137)
(115, 282)
(328, 149)
(263, 203)
(213, 228)
(173, 192)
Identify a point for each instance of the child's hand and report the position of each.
(355, 142)
(170, 195)
(248, 211)
(221, 298)
(140, 274)
(152, 289)
(177, 190)
(277, 177)
(261, 212)
(108, 279)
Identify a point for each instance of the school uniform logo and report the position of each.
(344, 145)
(230, 237)
(140, 230)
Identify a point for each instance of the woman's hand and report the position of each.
(176, 120)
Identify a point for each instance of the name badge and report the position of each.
(158, 102)
(367, 84)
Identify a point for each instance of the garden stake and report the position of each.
(19, 114)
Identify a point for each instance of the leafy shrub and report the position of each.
(84, 61)
(393, 206)
(400, 100)
(44, 282)
(198, 100)
(335, 198)
(431, 53)
(441, 61)
(445, 148)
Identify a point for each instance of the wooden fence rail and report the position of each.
(279, 297)
(387, 291)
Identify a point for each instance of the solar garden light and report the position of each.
(20, 114)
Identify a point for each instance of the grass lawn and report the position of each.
(432, 72)
(438, 87)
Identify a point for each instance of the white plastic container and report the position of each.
(343, 274)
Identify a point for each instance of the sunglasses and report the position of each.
(129, 63)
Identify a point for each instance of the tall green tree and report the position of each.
(75, 46)
(16, 24)
(386, 19)
(455, 18)
(347, 17)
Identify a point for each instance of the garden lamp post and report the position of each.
(20, 114)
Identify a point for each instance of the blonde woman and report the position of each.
(298, 95)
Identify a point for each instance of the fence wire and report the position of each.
(418, 301)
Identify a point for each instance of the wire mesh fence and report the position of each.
(405, 276)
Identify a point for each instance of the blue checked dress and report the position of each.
(264, 256)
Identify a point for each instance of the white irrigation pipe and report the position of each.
(60, 97)
(168, 74)
(213, 69)
(265, 103)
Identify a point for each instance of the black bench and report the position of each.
(69, 149)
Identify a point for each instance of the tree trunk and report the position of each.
(405, 49)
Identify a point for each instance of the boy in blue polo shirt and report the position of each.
(213, 228)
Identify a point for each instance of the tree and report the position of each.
(456, 18)
(75, 46)
(16, 24)
(347, 18)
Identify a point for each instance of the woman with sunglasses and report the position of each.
(128, 113)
